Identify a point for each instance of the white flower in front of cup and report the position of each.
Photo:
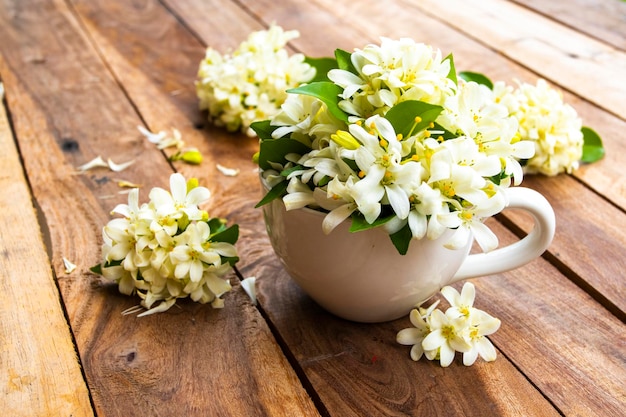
(169, 248)
(249, 84)
(462, 328)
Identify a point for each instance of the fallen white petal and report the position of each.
(152, 137)
(132, 310)
(119, 167)
(1, 91)
(163, 306)
(230, 172)
(248, 286)
(69, 267)
(94, 163)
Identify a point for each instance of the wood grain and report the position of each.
(518, 34)
(192, 349)
(600, 19)
(42, 374)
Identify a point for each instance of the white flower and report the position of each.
(296, 115)
(481, 324)
(340, 203)
(382, 173)
(191, 256)
(552, 125)
(299, 195)
(478, 323)
(179, 201)
(446, 337)
(251, 83)
(395, 71)
(415, 335)
(460, 304)
(165, 249)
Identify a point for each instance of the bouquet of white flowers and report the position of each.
(169, 248)
(391, 136)
(249, 84)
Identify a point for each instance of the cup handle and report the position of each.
(521, 252)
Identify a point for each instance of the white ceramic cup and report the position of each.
(362, 277)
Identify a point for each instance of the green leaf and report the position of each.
(96, 269)
(216, 225)
(322, 66)
(477, 78)
(274, 150)
(263, 129)
(232, 260)
(402, 116)
(402, 238)
(285, 172)
(359, 223)
(228, 235)
(592, 145)
(452, 72)
(276, 192)
(326, 91)
(344, 61)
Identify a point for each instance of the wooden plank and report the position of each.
(41, 372)
(541, 44)
(599, 19)
(158, 365)
(580, 371)
(590, 240)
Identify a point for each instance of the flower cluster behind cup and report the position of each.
(250, 83)
(462, 328)
(169, 248)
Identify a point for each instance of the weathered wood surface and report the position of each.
(599, 19)
(67, 108)
(38, 360)
(81, 75)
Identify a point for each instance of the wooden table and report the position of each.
(81, 75)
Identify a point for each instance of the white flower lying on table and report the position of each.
(250, 84)
(461, 329)
(169, 248)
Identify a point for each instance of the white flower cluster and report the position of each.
(446, 173)
(168, 248)
(553, 126)
(462, 328)
(250, 84)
